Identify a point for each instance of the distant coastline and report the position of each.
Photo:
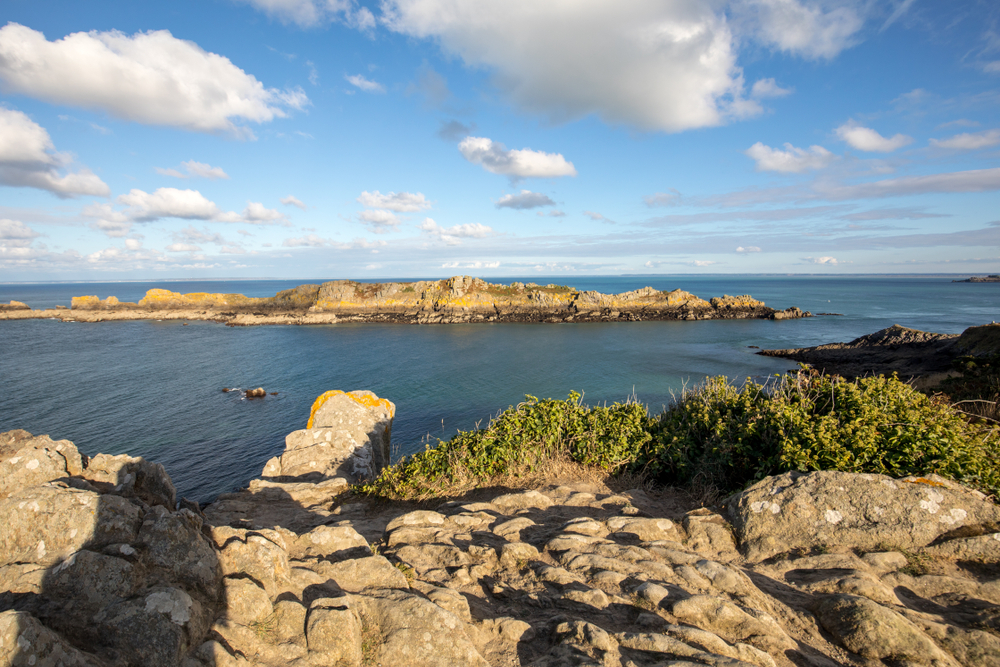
(980, 279)
(460, 299)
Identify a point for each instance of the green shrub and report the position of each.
(729, 437)
(520, 441)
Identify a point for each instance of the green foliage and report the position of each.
(519, 441)
(731, 437)
(718, 437)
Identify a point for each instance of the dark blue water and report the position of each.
(153, 389)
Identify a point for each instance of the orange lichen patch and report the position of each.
(368, 401)
(161, 298)
(924, 480)
(85, 303)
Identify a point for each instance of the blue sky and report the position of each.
(428, 138)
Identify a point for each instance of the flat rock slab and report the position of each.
(868, 512)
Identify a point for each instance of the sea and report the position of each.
(155, 388)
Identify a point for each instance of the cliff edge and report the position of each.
(99, 567)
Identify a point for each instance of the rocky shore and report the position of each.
(457, 299)
(100, 565)
(980, 279)
(914, 355)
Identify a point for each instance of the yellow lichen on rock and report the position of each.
(89, 302)
(742, 301)
(368, 400)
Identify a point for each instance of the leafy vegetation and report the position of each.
(716, 438)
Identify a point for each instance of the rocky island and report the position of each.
(101, 566)
(994, 278)
(457, 299)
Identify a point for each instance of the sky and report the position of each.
(426, 138)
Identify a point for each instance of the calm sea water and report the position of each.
(153, 389)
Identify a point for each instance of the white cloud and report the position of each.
(402, 202)
(792, 160)
(151, 78)
(133, 244)
(183, 247)
(29, 159)
(662, 198)
(195, 169)
(168, 203)
(525, 163)
(310, 13)
(308, 241)
(293, 201)
(593, 215)
(367, 85)
(703, 262)
(16, 234)
(650, 64)
(764, 88)
(379, 220)
(804, 28)
(453, 235)
(454, 130)
(360, 244)
(526, 200)
(867, 139)
(969, 141)
(832, 261)
(470, 265)
(257, 214)
(751, 248)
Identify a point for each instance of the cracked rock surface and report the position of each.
(99, 568)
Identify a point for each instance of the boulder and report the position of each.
(867, 512)
(27, 460)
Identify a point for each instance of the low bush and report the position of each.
(727, 437)
(520, 441)
(717, 438)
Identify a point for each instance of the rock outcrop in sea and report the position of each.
(101, 566)
(457, 299)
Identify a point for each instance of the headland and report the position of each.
(460, 299)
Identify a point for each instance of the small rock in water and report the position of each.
(256, 393)
(225, 390)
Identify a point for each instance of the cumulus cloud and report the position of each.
(29, 159)
(810, 29)
(257, 214)
(867, 139)
(703, 262)
(525, 163)
(526, 200)
(196, 170)
(183, 247)
(662, 198)
(379, 220)
(750, 248)
(144, 206)
(367, 85)
(792, 160)
(969, 141)
(648, 64)
(453, 235)
(311, 13)
(292, 201)
(593, 215)
(402, 202)
(832, 261)
(765, 88)
(151, 78)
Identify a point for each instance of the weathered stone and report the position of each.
(512, 502)
(332, 542)
(131, 476)
(646, 530)
(27, 460)
(334, 629)
(362, 414)
(731, 622)
(872, 631)
(258, 554)
(978, 549)
(414, 631)
(25, 642)
(868, 512)
(246, 603)
(361, 573)
(45, 524)
(174, 542)
(291, 622)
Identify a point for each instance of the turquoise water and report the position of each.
(153, 389)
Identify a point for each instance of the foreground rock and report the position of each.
(821, 569)
(457, 299)
(911, 353)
